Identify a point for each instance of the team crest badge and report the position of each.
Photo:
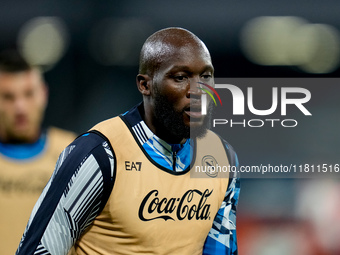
(209, 164)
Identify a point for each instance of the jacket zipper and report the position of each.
(174, 154)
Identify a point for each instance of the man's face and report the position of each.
(23, 99)
(177, 98)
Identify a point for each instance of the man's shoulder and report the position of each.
(113, 128)
(232, 155)
(106, 123)
(57, 139)
(61, 133)
(213, 136)
(223, 140)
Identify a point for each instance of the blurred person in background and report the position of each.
(128, 186)
(28, 152)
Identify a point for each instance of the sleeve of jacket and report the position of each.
(73, 197)
(222, 237)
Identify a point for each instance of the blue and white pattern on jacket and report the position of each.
(83, 180)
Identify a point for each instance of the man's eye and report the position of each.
(29, 94)
(206, 76)
(7, 97)
(180, 78)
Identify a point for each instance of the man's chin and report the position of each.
(198, 132)
(23, 136)
(198, 127)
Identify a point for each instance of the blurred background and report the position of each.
(89, 51)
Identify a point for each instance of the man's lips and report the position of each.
(194, 111)
(21, 120)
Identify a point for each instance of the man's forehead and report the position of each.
(186, 47)
(11, 80)
(182, 58)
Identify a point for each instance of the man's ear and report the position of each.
(144, 84)
(45, 94)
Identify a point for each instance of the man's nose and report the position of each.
(20, 104)
(195, 87)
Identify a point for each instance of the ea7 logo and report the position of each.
(130, 165)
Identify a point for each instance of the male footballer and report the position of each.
(127, 185)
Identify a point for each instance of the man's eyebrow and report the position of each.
(187, 68)
(209, 68)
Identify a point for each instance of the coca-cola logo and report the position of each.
(192, 205)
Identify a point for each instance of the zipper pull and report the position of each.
(174, 154)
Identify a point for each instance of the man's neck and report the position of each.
(162, 133)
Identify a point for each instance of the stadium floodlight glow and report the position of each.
(43, 41)
(291, 41)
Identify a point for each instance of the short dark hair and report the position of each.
(12, 61)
